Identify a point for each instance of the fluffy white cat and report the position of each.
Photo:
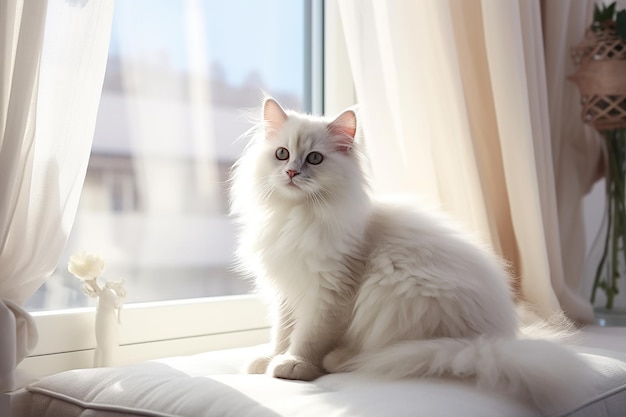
(367, 286)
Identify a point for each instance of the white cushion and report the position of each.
(211, 384)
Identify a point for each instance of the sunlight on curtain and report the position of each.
(454, 96)
(53, 61)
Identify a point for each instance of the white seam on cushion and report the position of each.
(599, 398)
(98, 406)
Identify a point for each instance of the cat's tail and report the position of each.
(542, 372)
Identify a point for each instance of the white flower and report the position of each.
(86, 266)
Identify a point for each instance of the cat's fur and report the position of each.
(383, 288)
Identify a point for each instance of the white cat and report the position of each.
(383, 288)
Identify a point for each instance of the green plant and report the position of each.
(609, 109)
(604, 16)
(614, 251)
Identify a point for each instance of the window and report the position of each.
(179, 74)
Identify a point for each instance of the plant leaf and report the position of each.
(620, 24)
(610, 11)
(596, 13)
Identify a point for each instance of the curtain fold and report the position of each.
(513, 69)
(576, 148)
(51, 74)
(458, 105)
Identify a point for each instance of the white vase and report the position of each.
(606, 262)
(107, 327)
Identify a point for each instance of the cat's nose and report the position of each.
(292, 173)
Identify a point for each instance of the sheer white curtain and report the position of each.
(53, 57)
(460, 106)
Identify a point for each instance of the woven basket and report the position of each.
(601, 78)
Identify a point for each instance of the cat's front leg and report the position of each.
(313, 337)
(281, 331)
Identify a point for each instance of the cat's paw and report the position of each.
(258, 365)
(292, 367)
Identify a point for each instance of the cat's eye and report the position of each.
(314, 158)
(282, 154)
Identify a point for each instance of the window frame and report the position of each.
(148, 331)
(189, 326)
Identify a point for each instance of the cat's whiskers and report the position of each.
(318, 201)
(321, 202)
(322, 197)
(265, 190)
(330, 194)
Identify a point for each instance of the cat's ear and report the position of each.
(274, 117)
(343, 130)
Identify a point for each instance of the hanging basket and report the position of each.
(601, 78)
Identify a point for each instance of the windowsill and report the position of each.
(148, 331)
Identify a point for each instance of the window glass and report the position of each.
(154, 201)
